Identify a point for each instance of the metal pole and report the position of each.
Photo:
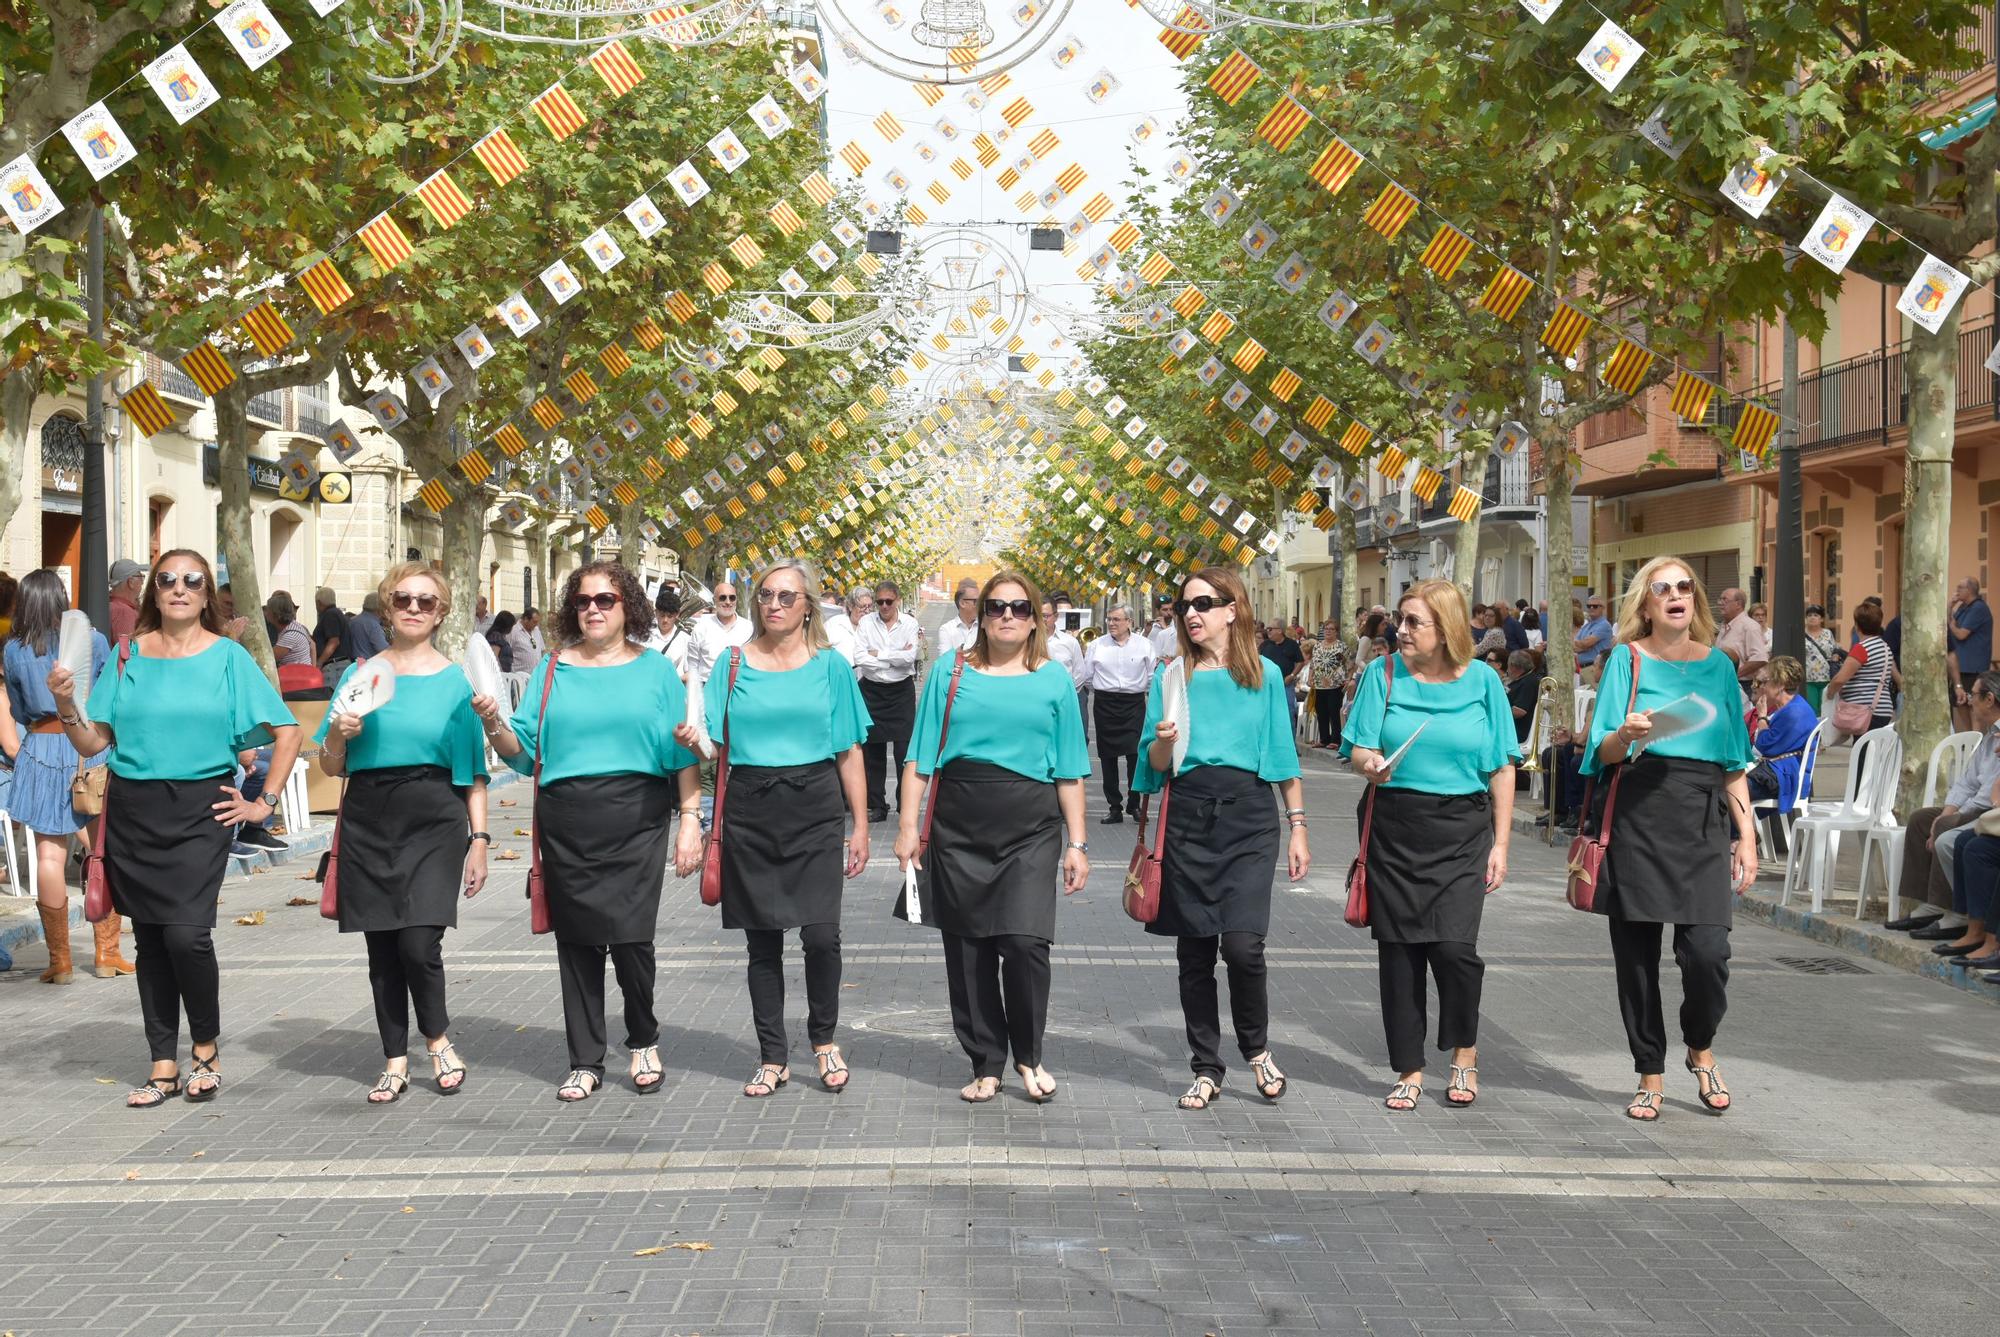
(1788, 575)
(93, 566)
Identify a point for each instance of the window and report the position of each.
(156, 526)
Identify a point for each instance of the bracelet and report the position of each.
(486, 836)
(1296, 824)
(1295, 812)
(76, 721)
(1080, 846)
(689, 812)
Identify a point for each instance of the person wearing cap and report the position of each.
(128, 583)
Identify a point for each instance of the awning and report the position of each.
(1971, 123)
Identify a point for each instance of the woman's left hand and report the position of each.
(1743, 863)
(857, 850)
(688, 847)
(1298, 856)
(475, 869)
(685, 735)
(1496, 868)
(236, 810)
(1076, 871)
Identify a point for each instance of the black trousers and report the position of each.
(1249, 999)
(582, 966)
(177, 971)
(1459, 973)
(1702, 952)
(1113, 796)
(821, 943)
(406, 965)
(881, 741)
(999, 997)
(1326, 708)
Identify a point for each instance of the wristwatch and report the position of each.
(1080, 846)
(486, 836)
(269, 799)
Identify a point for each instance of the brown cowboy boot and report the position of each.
(110, 965)
(55, 929)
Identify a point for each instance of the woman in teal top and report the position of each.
(412, 826)
(174, 713)
(1006, 753)
(1219, 736)
(1435, 827)
(596, 728)
(793, 716)
(1677, 751)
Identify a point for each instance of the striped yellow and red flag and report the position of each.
(1124, 237)
(1097, 206)
(474, 466)
(208, 369)
(1627, 366)
(674, 25)
(510, 440)
(148, 412)
(965, 57)
(1282, 124)
(614, 64)
(385, 240)
(679, 307)
(1392, 209)
(1446, 252)
(1217, 327)
(649, 334)
(1326, 520)
(1157, 267)
(1692, 396)
(1017, 111)
(961, 169)
(559, 111)
(325, 286)
(269, 332)
(616, 360)
(1285, 384)
(652, 468)
(1319, 413)
(1190, 300)
(716, 278)
(1233, 77)
(435, 495)
(993, 83)
(499, 155)
(1188, 32)
(1427, 482)
(1248, 355)
(855, 157)
(1355, 439)
(786, 218)
(1755, 429)
(1565, 331)
(1044, 143)
(1464, 506)
(887, 126)
(546, 412)
(1335, 166)
(938, 191)
(818, 189)
(624, 493)
(1505, 292)
(930, 93)
(582, 385)
(1392, 463)
(444, 199)
(986, 150)
(1071, 179)
(700, 426)
(746, 250)
(596, 517)
(916, 214)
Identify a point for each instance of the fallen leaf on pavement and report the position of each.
(653, 1252)
(197, 1155)
(408, 1210)
(508, 854)
(251, 920)
(692, 1246)
(131, 1174)
(105, 1081)
(303, 900)
(520, 831)
(507, 802)
(307, 877)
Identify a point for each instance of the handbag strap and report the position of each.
(722, 758)
(535, 780)
(1368, 814)
(1611, 794)
(944, 732)
(1166, 785)
(104, 812)
(1881, 683)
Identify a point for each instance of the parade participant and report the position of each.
(1165, 633)
(886, 647)
(412, 826)
(1118, 668)
(1436, 841)
(1221, 837)
(714, 633)
(1009, 767)
(599, 715)
(174, 714)
(843, 629)
(962, 630)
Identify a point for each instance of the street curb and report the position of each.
(29, 928)
(1866, 939)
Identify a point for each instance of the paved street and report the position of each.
(1852, 1191)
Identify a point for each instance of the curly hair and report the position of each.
(631, 598)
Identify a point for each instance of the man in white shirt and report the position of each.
(1164, 637)
(843, 627)
(714, 633)
(669, 637)
(526, 641)
(1067, 650)
(886, 648)
(959, 633)
(482, 615)
(1119, 669)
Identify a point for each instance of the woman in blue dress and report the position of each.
(1683, 840)
(45, 767)
(412, 826)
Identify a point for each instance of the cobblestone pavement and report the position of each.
(1852, 1191)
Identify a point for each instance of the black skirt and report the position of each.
(1427, 865)
(1670, 842)
(1118, 716)
(605, 842)
(402, 849)
(995, 854)
(892, 709)
(164, 852)
(782, 846)
(1220, 857)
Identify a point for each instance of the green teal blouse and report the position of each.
(185, 719)
(1724, 740)
(604, 721)
(793, 717)
(1469, 731)
(428, 722)
(1249, 728)
(1026, 722)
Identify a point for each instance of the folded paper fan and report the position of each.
(697, 719)
(369, 686)
(73, 639)
(1174, 706)
(482, 670)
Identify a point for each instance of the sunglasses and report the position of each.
(1020, 608)
(782, 598)
(404, 600)
(606, 600)
(1411, 622)
(1662, 588)
(1201, 603)
(885, 603)
(190, 581)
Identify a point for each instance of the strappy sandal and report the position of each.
(1031, 1085)
(1708, 1085)
(649, 1067)
(585, 1085)
(1457, 1087)
(1407, 1092)
(980, 1095)
(444, 1062)
(203, 1069)
(153, 1092)
(395, 1083)
(769, 1077)
(1648, 1101)
(830, 1067)
(1205, 1092)
(1268, 1077)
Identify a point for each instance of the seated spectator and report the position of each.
(1931, 834)
(293, 642)
(1524, 685)
(499, 635)
(1781, 724)
(1975, 887)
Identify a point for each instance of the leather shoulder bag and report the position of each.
(1356, 911)
(1142, 875)
(1587, 852)
(96, 889)
(538, 891)
(711, 859)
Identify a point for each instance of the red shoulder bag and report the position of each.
(1587, 852)
(711, 859)
(96, 890)
(1142, 875)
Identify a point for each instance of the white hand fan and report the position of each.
(1174, 706)
(482, 670)
(368, 687)
(912, 910)
(697, 719)
(73, 650)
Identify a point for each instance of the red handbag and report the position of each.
(1587, 852)
(538, 891)
(711, 859)
(1356, 911)
(1142, 875)
(96, 888)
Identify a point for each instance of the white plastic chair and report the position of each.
(16, 886)
(1867, 805)
(1586, 703)
(292, 798)
(1948, 759)
(1767, 810)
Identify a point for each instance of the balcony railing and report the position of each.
(1982, 37)
(173, 381)
(268, 408)
(315, 414)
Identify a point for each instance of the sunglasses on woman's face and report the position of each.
(1020, 608)
(1662, 588)
(404, 600)
(1201, 603)
(606, 600)
(191, 581)
(782, 598)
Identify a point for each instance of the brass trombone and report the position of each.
(1544, 696)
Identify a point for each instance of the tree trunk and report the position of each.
(630, 546)
(538, 560)
(1465, 543)
(1350, 563)
(461, 529)
(1559, 635)
(17, 404)
(233, 519)
(1933, 389)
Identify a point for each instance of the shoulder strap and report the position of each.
(1881, 683)
(1611, 794)
(722, 757)
(535, 781)
(1388, 690)
(944, 732)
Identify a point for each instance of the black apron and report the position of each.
(1118, 716)
(892, 709)
(403, 836)
(1221, 854)
(1670, 843)
(605, 843)
(1427, 865)
(164, 852)
(995, 856)
(783, 846)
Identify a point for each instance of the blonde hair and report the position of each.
(813, 624)
(1633, 624)
(401, 572)
(1239, 648)
(1454, 621)
(1036, 651)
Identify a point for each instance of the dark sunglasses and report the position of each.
(606, 600)
(782, 598)
(885, 603)
(1020, 608)
(1661, 588)
(725, 598)
(1201, 603)
(190, 581)
(403, 601)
